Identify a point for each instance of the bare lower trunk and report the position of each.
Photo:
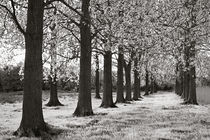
(178, 86)
(179, 80)
(32, 123)
(192, 99)
(120, 86)
(84, 105)
(186, 72)
(177, 83)
(136, 93)
(53, 93)
(97, 84)
(152, 82)
(155, 87)
(186, 85)
(97, 80)
(128, 80)
(181, 83)
(147, 83)
(107, 100)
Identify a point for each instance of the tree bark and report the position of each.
(146, 83)
(107, 100)
(97, 80)
(32, 123)
(181, 82)
(128, 80)
(155, 87)
(186, 85)
(192, 99)
(120, 86)
(177, 83)
(179, 79)
(186, 71)
(53, 92)
(151, 84)
(136, 93)
(84, 105)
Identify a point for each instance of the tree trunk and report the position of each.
(32, 123)
(179, 80)
(53, 93)
(177, 83)
(120, 86)
(84, 105)
(192, 99)
(136, 93)
(97, 80)
(155, 87)
(190, 52)
(186, 85)
(128, 80)
(53, 69)
(147, 83)
(186, 71)
(177, 86)
(107, 100)
(151, 84)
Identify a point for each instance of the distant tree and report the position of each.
(146, 82)
(53, 64)
(97, 78)
(127, 68)
(120, 76)
(137, 80)
(105, 16)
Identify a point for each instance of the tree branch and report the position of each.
(70, 7)
(73, 21)
(13, 16)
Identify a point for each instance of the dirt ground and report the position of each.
(160, 116)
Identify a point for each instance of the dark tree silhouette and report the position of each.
(53, 92)
(32, 123)
(152, 84)
(84, 105)
(146, 82)
(107, 100)
(192, 99)
(136, 92)
(97, 78)
(128, 80)
(120, 86)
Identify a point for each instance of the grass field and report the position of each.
(159, 116)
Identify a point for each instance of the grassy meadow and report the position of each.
(157, 116)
